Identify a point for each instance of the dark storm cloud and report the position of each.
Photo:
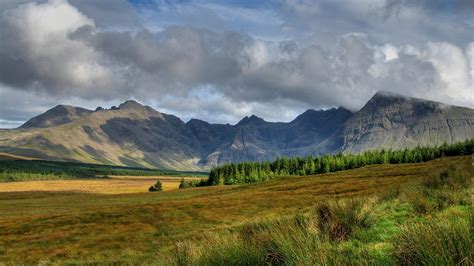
(177, 55)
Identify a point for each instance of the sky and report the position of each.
(221, 60)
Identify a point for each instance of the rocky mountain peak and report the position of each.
(388, 120)
(252, 120)
(131, 104)
(311, 115)
(195, 121)
(383, 99)
(58, 115)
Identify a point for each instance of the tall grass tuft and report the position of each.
(437, 242)
(338, 220)
(183, 253)
(230, 249)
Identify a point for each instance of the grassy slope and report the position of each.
(77, 227)
(11, 157)
(94, 145)
(111, 185)
(24, 170)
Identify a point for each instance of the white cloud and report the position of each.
(470, 56)
(453, 67)
(44, 46)
(389, 51)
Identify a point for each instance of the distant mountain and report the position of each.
(61, 114)
(131, 134)
(137, 135)
(394, 121)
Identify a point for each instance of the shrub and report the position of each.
(192, 183)
(438, 242)
(339, 219)
(156, 187)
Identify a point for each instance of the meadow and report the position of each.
(14, 168)
(110, 185)
(378, 214)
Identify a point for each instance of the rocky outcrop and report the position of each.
(394, 121)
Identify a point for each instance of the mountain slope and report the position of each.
(131, 134)
(137, 135)
(59, 115)
(394, 121)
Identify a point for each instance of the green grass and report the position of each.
(273, 222)
(26, 170)
(361, 231)
(438, 241)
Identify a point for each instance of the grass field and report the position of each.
(14, 168)
(154, 228)
(111, 185)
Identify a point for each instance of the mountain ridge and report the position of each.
(133, 134)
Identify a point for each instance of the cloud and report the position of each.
(113, 14)
(36, 51)
(64, 51)
(394, 21)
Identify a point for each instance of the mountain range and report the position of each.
(136, 135)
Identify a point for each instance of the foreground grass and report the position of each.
(233, 224)
(387, 229)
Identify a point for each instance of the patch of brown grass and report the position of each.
(113, 185)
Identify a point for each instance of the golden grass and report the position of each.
(78, 227)
(112, 185)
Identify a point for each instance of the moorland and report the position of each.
(381, 214)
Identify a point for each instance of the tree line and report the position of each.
(252, 172)
(17, 170)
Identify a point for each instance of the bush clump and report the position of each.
(192, 183)
(156, 187)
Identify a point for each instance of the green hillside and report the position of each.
(21, 170)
